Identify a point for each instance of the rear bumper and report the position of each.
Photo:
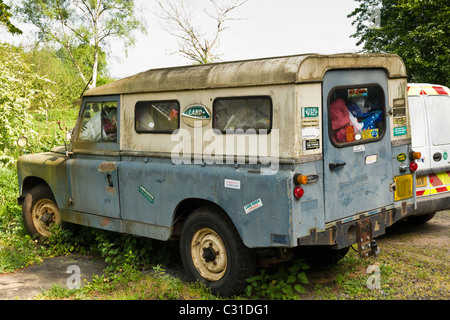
(432, 203)
(344, 234)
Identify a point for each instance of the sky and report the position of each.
(266, 28)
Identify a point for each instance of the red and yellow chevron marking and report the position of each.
(428, 90)
(434, 183)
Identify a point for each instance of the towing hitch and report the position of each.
(367, 246)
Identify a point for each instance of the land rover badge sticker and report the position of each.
(196, 113)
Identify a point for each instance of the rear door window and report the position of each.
(356, 115)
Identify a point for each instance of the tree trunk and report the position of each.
(93, 84)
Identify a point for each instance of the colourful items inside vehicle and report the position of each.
(356, 114)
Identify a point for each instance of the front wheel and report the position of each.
(212, 252)
(40, 211)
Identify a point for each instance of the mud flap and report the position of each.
(364, 236)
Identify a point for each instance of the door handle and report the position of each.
(334, 166)
(110, 180)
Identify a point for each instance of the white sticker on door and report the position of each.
(232, 184)
(371, 159)
(253, 206)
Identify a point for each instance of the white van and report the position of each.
(430, 130)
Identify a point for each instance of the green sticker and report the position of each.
(310, 112)
(445, 155)
(146, 194)
(400, 131)
(197, 112)
(401, 157)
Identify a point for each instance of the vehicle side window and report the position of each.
(438, 115)
(157, 116)
(356, 115)
(99, 122)
(244, 113)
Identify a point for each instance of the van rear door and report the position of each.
(430, 111)
(356, 145)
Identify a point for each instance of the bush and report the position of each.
(21, 91)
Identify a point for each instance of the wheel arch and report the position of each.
(28, 184)
(186, 207)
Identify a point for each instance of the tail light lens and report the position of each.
(299, 192)
(413, 166)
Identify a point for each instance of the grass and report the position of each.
(409, 269)
(132, 285)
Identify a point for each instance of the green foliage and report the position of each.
(21, 91)
(416, 30)
(65, 82)
(125, 251)
(5, 16)
(17, 249)
(283, 284)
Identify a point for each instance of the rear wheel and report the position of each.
(212, 252)
(422, 219)
(40, 211)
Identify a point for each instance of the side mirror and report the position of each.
(22, 142)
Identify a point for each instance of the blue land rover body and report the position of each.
(280, 153)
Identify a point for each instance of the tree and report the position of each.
(78, 24)
(194, 43)
(416, 30)
(5, 16)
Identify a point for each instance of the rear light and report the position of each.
(413, 166)
(299, 192)
(300, 179)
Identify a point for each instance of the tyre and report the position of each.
(212, 252)
(40, 211)
(422, 219)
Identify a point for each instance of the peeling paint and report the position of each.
(107, 167)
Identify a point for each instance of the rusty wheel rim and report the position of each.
(45, 214)
(209, 254)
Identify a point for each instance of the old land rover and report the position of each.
(235, 160)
